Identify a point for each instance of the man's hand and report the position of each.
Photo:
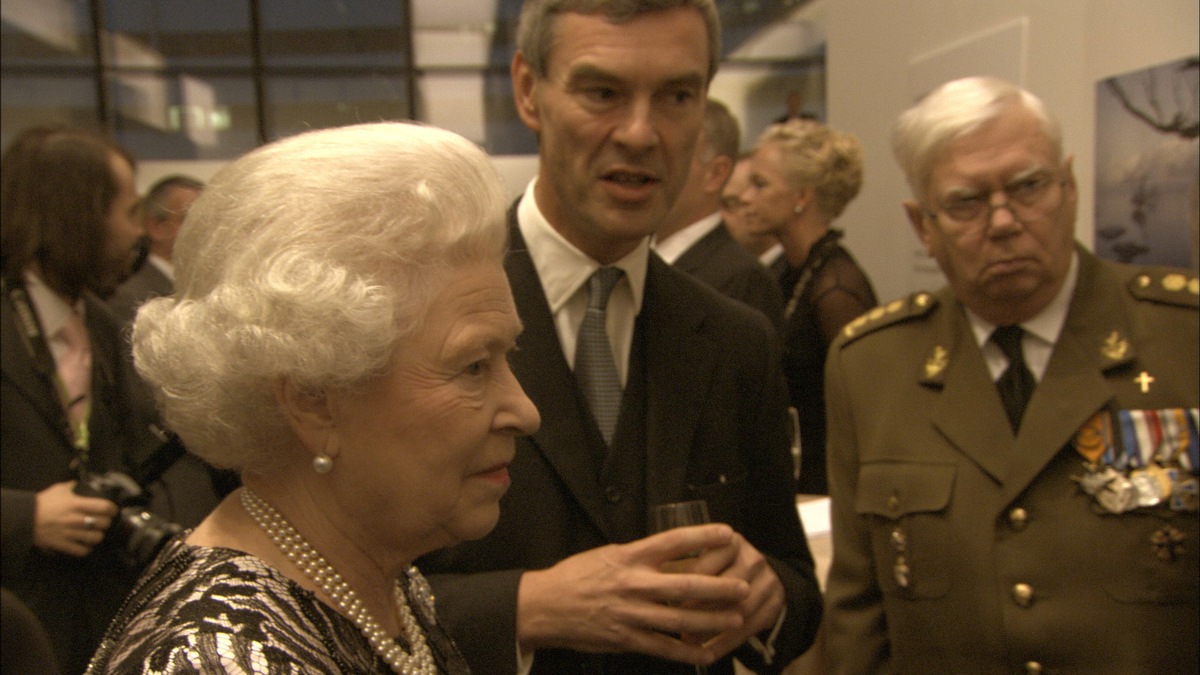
(69, 523)
(617, 598)
(761, 607)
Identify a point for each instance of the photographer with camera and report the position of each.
(74, 530)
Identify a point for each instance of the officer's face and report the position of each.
(999, 217)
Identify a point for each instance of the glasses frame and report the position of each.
(1024, 196)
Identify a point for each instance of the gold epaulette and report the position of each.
(1165, 285)
(916, 305)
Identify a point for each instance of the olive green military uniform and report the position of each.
(961, 549)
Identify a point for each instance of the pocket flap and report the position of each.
(896, 489)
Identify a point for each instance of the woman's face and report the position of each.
(771, 200)
(423, 451)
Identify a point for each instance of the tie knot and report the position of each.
(1008, 339)
(600, 285)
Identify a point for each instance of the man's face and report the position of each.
(1009, 261)
(617, 117)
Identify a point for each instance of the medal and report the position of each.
(1117, 495)
(1148, 486)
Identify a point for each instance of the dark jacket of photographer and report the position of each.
(73, 597)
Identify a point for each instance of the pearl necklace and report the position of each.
(320, 572)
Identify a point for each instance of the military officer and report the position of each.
(1012, 459)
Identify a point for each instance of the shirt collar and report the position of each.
(679, 242)
(165, 266)
(52, 310)
(562, 268)
(1045, 325)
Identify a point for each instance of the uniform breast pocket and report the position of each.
(1159, 563)
(905, 504)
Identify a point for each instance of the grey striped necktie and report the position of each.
(594, 365)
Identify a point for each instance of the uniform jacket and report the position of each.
(719, 261)
(713, 405)
(961, 549)
(73, 597)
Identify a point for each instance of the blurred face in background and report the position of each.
(771, 199)
(122, 226)
(733, 210)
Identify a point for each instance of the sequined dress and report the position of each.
(216, 610)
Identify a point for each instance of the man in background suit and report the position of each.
(163, 211)
(1013, 458)
(569, 578)
(694, 238)
(68, 230)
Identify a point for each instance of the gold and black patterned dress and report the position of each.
(217, 610)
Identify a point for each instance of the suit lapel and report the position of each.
(20, 369)
(969, 412)
(548, 381)
(677, 352)
(1074, 387)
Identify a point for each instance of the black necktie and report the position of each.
(1016, 382)
(594, 365)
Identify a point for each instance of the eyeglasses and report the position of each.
(1024, 197)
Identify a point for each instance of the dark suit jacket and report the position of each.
(73, 597)
(719, 261)
(715, 428)
(924, 466)
(148, 282)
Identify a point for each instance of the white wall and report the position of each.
(880, 52)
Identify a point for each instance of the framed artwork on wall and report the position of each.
(1148, 165)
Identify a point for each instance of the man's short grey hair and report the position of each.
(953, 110)
(308, 259)
(155, 201)
(535, 32)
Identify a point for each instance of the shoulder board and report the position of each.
(916, 305)
(1167, 286)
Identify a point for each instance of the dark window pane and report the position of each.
(296, 104)
(30, 100)
(45, 34)
(364, 34)
(183, 117)
(175, 34)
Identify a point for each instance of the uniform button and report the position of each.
(1033, 668)
(1018, 518)
(1022, 595)
(893, 503)
(613, 494)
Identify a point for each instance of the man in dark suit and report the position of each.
(163, 210)
(693, 236)
(1013, 458)
(570, 578)
(68, 229)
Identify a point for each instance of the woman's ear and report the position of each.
(309, 414)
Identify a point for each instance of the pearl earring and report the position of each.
(322, 463)
(799, 209)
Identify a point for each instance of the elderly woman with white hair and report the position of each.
(339, 336)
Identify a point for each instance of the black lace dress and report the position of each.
(217, 610)
(825, 293)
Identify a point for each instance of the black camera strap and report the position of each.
(39, 350)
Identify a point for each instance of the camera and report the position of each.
(136, 533)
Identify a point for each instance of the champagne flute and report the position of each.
(681, 514)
